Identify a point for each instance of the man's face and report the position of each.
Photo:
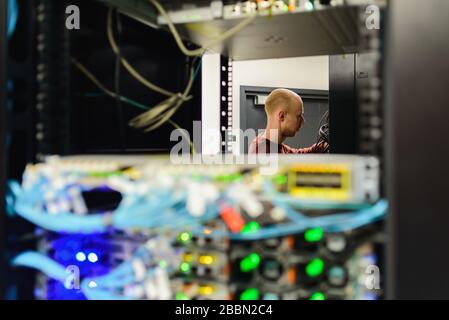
(293, 120)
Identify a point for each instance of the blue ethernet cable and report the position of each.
(165, 210)
(56, 271)
(332, 224)
(110, 286)
(134, 212)
(104, 285)
(64, 222)
(40, 262)
(100, 294)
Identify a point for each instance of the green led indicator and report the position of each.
(280, 179)
(185, 267)
(251, 227)
(162, 264)
(228, 178)
(181, 296)
(185, 237)
(313, 235)
(315, 267)
(236, 177)
(250, 262)
(250, 294)
(104, 174)
(317, 296)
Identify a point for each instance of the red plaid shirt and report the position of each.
(263, 145)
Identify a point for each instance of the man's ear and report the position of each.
(281, 115)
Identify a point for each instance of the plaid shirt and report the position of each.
(263, 145)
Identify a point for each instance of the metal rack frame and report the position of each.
(3, 159)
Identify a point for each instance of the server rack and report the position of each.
(406, 218)
(3, 165)
(55, 138)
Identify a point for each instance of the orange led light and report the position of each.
(292, 275)
(188, 257)
(290, 242)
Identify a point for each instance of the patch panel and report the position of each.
(206, 11)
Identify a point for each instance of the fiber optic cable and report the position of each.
(332, 224)
(41, 262)
(133, 212)
(53, 270)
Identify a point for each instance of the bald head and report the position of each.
(282, 99)
(284, 110)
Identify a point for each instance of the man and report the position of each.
(285, 116)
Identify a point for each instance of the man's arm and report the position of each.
(320, 147)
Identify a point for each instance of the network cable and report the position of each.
(146, 263)
(134, 103)
(166, 209)
(128, 66)
(334, 223)
(323, 131)
(198, 52)
(162, 112)
(55, 271)
(162, 210)
(143, 265)
(41, 262)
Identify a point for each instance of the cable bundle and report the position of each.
(145, 275)
(159, 208)
(323, 132)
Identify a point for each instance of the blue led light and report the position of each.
(92, 257)
(98, 244)
(370, 296)
(80, 256)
